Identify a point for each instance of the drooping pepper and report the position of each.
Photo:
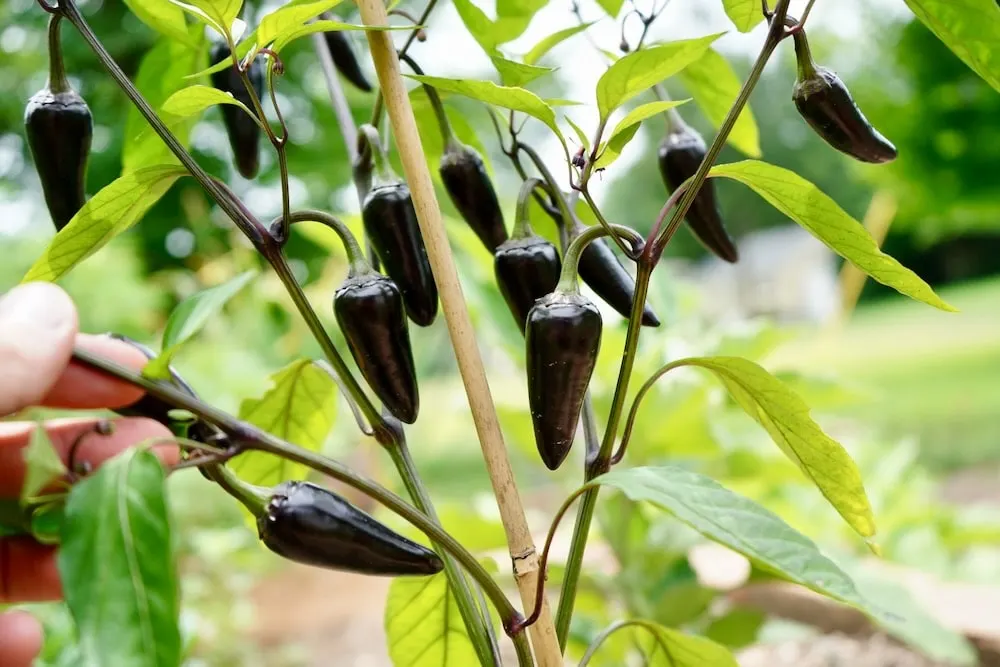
(471, 191)
(344, 58)
(826, 104)
(243, 131)
(391, 225)
(601, 270)
(526, 266)
(562, 339)
(681, 153)
(59, 128)
(308, 524)
(370, 311)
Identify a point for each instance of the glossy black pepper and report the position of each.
(242, 130)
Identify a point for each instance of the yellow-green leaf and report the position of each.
(163, 17)
(804, 203)
(300, 407)
(745, 14)
(628, 126)
(516, 74)
(114, 209)
(289, 36)
(288, 18)
(193, 100)
(42, 464)
(665, 647)
(612, 7)
(715, 86)
(580, 134)
(553, 40)
(970, 28)
(221, 12)
(786, 418)
(638, 71)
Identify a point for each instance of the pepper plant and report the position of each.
(261, 456)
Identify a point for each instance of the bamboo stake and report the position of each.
(523, 554)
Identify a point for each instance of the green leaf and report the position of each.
(221, 12)
(786, 418)
(114, 209)
(628, 126)
(288, 18)
(803, 202)
(192, 100)
(489, 33)
(117, 565)
(745, 14)
(612, 7)
(300, 407)
(666, 647)
(640, 70)
(715, 86)
(289, 36)
(162, 72)
(423, 625)
(189, 317)
(740, 524)
(553, 40)
(515, 8)
(507, 97)
(580, 134)
(47, 521)
(971, 29)
(163, 17)
(518, 74)
(14, 519)
(42, 464)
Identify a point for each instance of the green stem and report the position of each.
(615, 627)
(249, 225)
(636, 402)
(522, 224)
(279, 147)
(467, 607)
(447, 136)
(250, 437)
(571, 258)
(355, 255)
(254, 498)
(805, 64)
(58, 83)
(383, 170)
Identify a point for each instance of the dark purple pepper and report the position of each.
(345, 60)
(242, 130)
(526, 269)
(471, 191)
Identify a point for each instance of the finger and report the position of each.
(20, 638)
(83, 388)
(37, 326)
(28, 571)
(93, 449)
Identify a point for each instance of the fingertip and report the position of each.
(21, 638)
(81, 387)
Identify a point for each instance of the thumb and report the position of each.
(38, 324)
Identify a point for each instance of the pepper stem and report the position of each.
(522, 228)
(355, 255)
(254, 498)
(568, 283)
(447, 136)
(383, 170)
(803, 56)
(58, 83)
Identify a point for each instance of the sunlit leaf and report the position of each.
(516, 74)
(300, 407)
(970, 28)
(222, 12)
(117, 565)
(740, 524)
(665, 647)
(553, 40)
(628, 126)
(289, 36)
(786, 418)
(640, 70)
(42, 464)
(288, 18)
(580, 134)
(163, 17)
(715, 86)
(114, 209)
(804, 203)
(193, 100)
(612, 7)
(47, 521)
(745, 14)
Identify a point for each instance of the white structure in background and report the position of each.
(784, 273)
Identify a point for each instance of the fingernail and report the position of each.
(38, 304)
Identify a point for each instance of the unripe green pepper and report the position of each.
(242, 130)
(59, 128)
(344, 58)
(471, 191)
(308, 524)
(526, 266)
(370, 311)
(681, 153)
(391, 224)
(826, 104)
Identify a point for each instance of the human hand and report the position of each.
(38, 330)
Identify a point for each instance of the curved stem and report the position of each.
(615, 627)
(522, 224)
(254, 498)
(355, 256)
(58, 83)
(369, 134)
(279, 147)
(634, 411)
(252, 438)
(804, 62)
(447, 136)
(629, 252)
(571, 258)
(359, 417)
(662, 215)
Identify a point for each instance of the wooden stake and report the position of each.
(523, 554)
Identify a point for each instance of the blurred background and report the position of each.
(913, 393)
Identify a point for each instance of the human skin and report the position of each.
(38, 330)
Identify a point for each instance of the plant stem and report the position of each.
(470, 364)
(341, 109)
(447, 136)
(615, 627)
(57, 82)
(355, 256)
(571, 258)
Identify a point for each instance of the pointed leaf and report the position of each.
(193, 100)
(163, 17)
(42, 464)
(612, 7)
(117, 565)
(289, 36)
(786, 418)
(971, 29)
(553, 40)
(640, 70)
(517, 74)
(740, 524)
(803, 202)
(666, 647)
(289, 17)
(745, 14)
(489, 33)
(222, 12)
(580, 134)
(628, 126)
(107, 214)
(715, 86)
(300, 407)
